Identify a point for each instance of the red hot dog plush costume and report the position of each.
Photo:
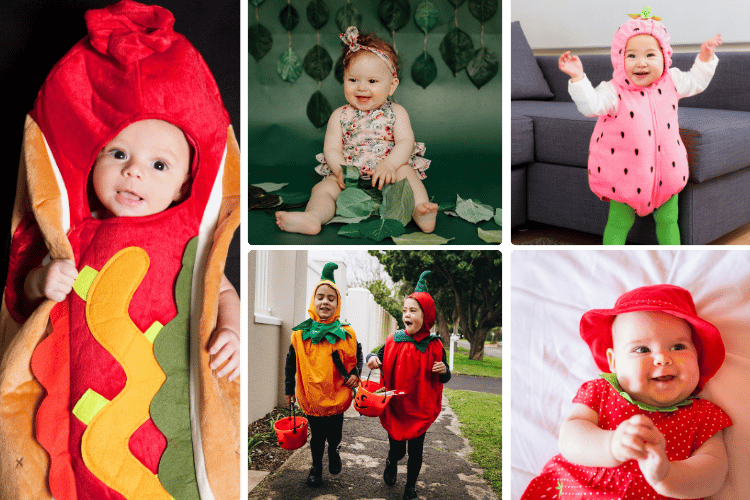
(407, 366)
(108, 394)
(636, 155)
(320, 387)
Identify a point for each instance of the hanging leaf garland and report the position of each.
(348, 16)
(394, 14)
(259, 38)
(485, 64)
(424, 70)
(289, 66)
(318, 64)
(457, 49)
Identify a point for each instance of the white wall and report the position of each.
(370, 322)
(552, 24)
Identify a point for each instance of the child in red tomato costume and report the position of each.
(413, 361)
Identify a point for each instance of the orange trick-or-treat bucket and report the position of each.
(291, 432)
(367, 403)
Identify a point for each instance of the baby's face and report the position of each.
(326, 301)
(654, 357)
(412, 316)
(368, 82)
(644, 60)
(143, 169)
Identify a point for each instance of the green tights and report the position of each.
(622, 217)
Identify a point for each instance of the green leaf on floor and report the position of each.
(351, 176)
(379, 229)
(491, 235)
(270, 187)
(398, 202)
(296, 199)
(473, 211)
(446, 206)
(420, 238)
(350, 231)
(347, 220)
(499, 217)
(353, 202)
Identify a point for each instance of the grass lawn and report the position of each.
(488, 367)
(481, 419)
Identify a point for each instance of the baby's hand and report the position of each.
(226, 347)
(571, 65)
(709, 47)
(374, 363)
(439, 367)
(385, 173)
(339, 176)
(290, 398)
(53, 281)
(632, 437)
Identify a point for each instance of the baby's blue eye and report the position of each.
(679, 347)
(642, 350)
(118, 154)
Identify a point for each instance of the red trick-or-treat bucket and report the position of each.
(367, 403)
(291, 432)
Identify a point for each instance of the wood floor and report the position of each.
(740, 236)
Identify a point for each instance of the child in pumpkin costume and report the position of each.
(412, 361)
(639, 431)
(637, 160)
(132, 407)
(326, 359)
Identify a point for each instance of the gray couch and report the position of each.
(550, 138)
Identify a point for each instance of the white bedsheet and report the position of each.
(550, 291)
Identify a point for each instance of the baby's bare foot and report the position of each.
(424, 215)
(297, 222)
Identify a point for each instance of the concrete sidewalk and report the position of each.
(446, 472)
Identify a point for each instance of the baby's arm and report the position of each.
(583, 442)
(333, 148)
(403, 136)
(699, 476)
(571, 65)
(226, 337)
(697, 79)
(53, 281)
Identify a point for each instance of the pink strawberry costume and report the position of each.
(685, 426)
(636, 155)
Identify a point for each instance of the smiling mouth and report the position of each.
(664, 378)
(128, 197)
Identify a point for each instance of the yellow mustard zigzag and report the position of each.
(105, 442)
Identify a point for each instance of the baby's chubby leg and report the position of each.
(320, 209)
(425, 212)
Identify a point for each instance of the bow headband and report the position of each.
(350, 38)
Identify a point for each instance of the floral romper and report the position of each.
(685, 429)
(368, 138)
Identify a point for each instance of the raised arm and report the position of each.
(571, 65)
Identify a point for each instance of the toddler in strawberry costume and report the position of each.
(637, 160)
(640, 432)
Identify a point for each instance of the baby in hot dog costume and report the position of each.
(327, 359)
(129, 174)
(413, 361)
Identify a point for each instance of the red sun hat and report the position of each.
(596, 325)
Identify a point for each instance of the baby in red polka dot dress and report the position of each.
(640, 431)
(637, 160)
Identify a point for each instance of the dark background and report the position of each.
(36, 34)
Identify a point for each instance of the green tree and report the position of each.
(384, 297)
(469, 280)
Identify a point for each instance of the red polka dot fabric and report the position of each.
(685, 430)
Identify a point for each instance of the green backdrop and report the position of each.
(459, 124)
